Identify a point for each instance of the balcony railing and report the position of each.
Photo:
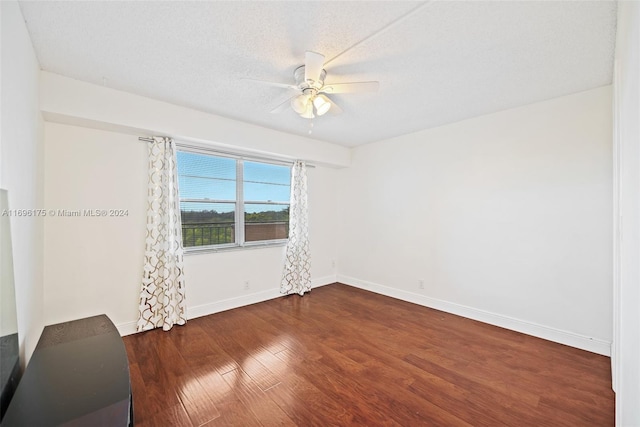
(208, 233)
(219, 233)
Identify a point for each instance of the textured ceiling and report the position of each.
(447, 62)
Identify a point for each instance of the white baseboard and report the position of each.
(322, 281)
(551, 334)
(127, 328)
(195, 311)
(540, 331)
(231, 303)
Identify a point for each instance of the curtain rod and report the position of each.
(146, 139)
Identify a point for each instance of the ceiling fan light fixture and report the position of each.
(310, 101)
(308, 112)
(322, 104)
(300, 103)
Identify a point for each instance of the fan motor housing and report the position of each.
(303, 84)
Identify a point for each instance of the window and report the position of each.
(230, 202)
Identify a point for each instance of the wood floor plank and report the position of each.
(306, 405)
(246, 361)
(343, 356)
(255, 399)
(141, 397)
(196, 402)
(232, 410)
(174, 415)
(154, 378)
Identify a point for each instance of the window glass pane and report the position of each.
(266, 182)
(205, 224)
(201, 176)
(266, 192)
(265, 222)
(208, 200)
(265, 172)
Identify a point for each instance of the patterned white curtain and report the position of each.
(296, 277)
(162, 298)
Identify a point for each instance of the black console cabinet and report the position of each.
(78, 376)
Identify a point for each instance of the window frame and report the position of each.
(239, 220)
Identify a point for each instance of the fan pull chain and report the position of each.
(310, 126)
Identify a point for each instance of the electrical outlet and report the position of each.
(246, 285)
(333, 264)
(420, 284)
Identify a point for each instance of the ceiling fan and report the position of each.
(312, 90)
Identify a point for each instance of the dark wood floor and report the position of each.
(344, 356)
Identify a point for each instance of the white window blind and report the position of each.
(230, 202)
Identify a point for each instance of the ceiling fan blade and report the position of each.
(282, 106)
(355, 87)
(281, 85)
(313, 63)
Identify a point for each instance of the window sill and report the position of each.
(247, 246)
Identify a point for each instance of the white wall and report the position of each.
(626, 348)
(21, 168)
(94, 265)
(71, 101)
(505, 217)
